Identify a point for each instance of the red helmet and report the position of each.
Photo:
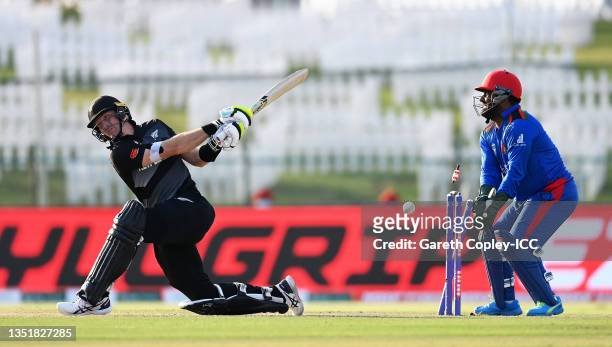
(501, 79)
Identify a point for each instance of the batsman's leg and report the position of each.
(243, 298)
(182, 266)
(114, 258)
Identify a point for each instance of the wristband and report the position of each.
(207, 153)
(210, 128)
(155, 152)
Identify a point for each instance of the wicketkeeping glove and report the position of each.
(493, 206)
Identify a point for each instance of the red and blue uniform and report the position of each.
(520, 160)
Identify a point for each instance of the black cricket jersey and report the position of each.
(157, 182)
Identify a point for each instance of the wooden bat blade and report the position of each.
(280, 89)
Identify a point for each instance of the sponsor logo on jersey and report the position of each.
(148, 166)
(154, 134)
(133, 153)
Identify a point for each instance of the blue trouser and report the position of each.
(536, 218)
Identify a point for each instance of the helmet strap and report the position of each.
(120, 134)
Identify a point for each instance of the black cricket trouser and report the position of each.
(174, 227)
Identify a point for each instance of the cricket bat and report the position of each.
(280, 89)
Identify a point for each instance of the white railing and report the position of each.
(154, 39)
(326, 125)
(574, 111)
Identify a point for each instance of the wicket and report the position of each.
(454, 236)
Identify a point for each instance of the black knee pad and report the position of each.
(129, 223)
(117, 252)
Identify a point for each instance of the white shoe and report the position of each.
(292, 297)
(80, 307)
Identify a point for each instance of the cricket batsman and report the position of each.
(519, 162)
(170, 213)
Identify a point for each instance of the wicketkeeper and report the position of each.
(519, 162)
(170, 213)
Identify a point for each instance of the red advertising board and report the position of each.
(46, 250)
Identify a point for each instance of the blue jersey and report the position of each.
(519, 158)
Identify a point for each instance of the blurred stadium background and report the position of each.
(385, 115)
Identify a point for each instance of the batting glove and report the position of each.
(237, 113)
(228, 135)
(228, 115)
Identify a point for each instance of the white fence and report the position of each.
(575, 112)
(193, 38)
(326, 125)
(19, 121)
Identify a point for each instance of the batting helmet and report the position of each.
(501, 79)
(106, 103)
(498, 86)
(101, 105)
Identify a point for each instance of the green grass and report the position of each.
(324, 324)
(17, 188)
(79, 98)
(340, 188)
(597, 54)
(388, 104)
(176, 118)
(6, 74)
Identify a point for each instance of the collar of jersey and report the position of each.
(509, 110)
